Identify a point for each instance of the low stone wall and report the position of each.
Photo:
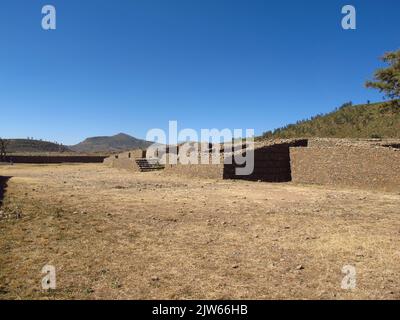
(352, 166)
(210, 171)
(109, 161)
(338, 142)
(122, 163)
(54, 159)
(125, 160)
(134, 154)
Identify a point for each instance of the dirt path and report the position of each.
(118, 235)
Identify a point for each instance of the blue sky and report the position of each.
(130, 66)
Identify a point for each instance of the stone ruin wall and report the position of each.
(271, 164)
(367, 164)
(125, 160)
(209, 171)
(367, 167)
(53, 159)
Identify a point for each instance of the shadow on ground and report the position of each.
(3, 187)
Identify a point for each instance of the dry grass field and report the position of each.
(117, 235)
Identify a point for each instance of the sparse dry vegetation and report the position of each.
(379, 120)
(118, 235)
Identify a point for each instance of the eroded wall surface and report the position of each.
(122, 163)
(352, 166)
(210, 171)
(125, 160)
(271, 163)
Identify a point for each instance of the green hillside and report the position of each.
(379, 120)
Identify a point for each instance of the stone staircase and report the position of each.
(146, 165)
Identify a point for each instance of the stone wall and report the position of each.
(271, 163)
(351, 166)
(109, 161)
(125, 160)
(54, 159)
(337, 142)
(122, 161)
(362, 164)
(210, 171)
(134, 154)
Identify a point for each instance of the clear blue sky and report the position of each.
(129, 66)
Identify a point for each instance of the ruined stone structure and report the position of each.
(271, 163)
(134, 160)
(368, 167)
(210, 171)
(53, 159)
(369, 164)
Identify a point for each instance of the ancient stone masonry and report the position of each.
(54, 159)
(207, 170)
(365, 167)
(271, 163)
(210, 171)
(133, 160)
(369, 164)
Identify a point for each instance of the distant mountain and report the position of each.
(379, 120)
(33, 146)
(119, 142)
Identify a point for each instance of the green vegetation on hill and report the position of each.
(379, 120)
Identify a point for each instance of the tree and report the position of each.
(3, 148)
(387, 79)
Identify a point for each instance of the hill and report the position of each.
(379, 120)
(119, 142)
(34, 146)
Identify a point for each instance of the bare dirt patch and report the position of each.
(113, 234)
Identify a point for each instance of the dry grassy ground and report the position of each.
(119, 235)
